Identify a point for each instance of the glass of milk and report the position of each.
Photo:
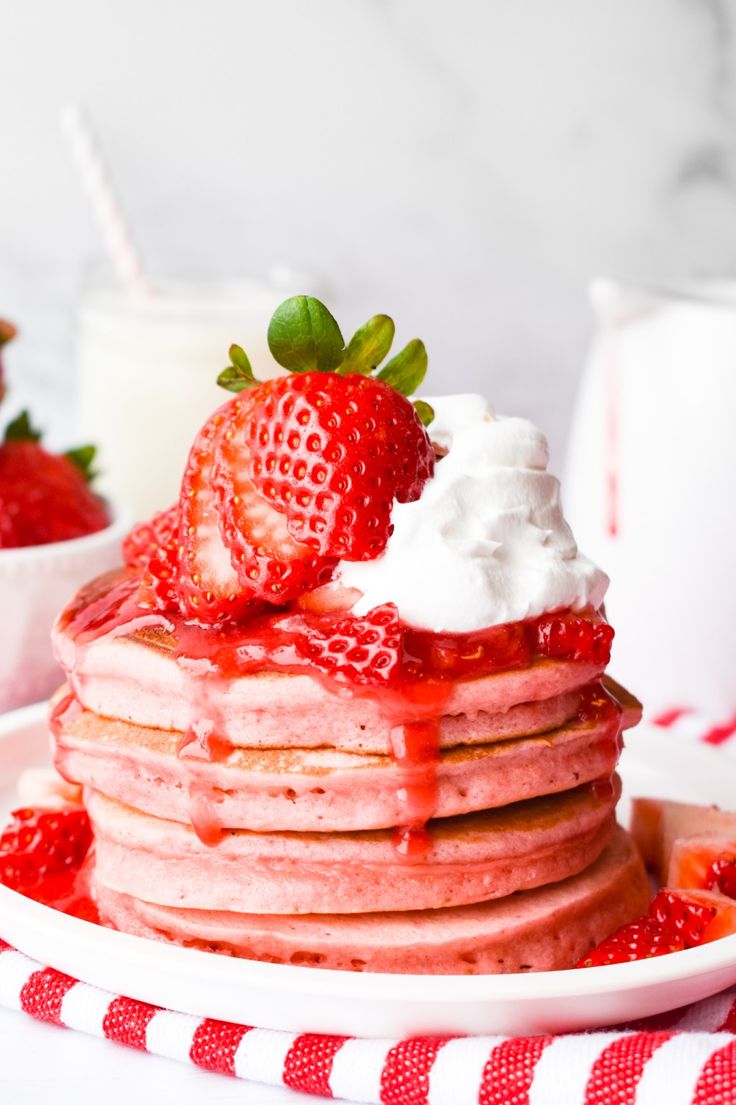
(147, 372)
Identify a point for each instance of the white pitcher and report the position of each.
(651, 487)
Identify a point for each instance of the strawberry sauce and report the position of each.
(408, 671)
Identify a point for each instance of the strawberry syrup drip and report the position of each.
(205, 740)
(412, 693)
(597, 707)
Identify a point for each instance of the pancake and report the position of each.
(471, 858)
(537, 930)
(320, 789)
(137, 678)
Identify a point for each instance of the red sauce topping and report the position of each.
(408, 671)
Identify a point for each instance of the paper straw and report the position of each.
(97, 183)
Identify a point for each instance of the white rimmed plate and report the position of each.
(303, 999)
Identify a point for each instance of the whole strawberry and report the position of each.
(42, 845)
(44, 496)
(300, 472)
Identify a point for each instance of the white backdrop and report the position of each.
(465, 165)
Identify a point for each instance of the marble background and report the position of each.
(464, 166)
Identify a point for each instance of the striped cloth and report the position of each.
(683, 1058)
(687, 1057)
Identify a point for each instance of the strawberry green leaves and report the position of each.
(84, 457)
(22, 429)
(405, 372)
(304, 337)
(368, 346)
(425, 413)
(239, 374)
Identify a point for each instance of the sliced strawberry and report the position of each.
(682, 917)
(271, 564)
(147, 538)
(675, 921)
(208, 585)
(638, 940)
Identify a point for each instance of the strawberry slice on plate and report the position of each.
(677, 919)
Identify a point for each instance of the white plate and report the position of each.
(303, 999)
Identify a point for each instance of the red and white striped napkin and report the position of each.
(683, 1058)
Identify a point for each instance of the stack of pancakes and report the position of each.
(280, 844)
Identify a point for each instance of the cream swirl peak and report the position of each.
(486, 543)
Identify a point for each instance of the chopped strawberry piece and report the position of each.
(697, 861)
(271, 564)
(147, 538)
(569, 637)
(332, 453)
(40, 846)
(208, 586)
(637, 940)
(152, 547)
(359, 650)
(44, 497)
(721, 876)
(675, 921)
(678, 840)
(160, 584)
(458, 655)
(681, 916)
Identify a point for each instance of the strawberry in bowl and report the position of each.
(54, 530)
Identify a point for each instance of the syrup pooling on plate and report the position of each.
(411, 688)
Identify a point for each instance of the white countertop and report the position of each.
(40, 1063)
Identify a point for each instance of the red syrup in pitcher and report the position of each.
(409, 672)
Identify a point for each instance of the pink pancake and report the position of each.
(538, 930)
(315, 789)
(472, 858)
(138, 679)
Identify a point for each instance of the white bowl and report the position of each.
(35, 583)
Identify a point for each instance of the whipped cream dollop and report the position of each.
(486, 543)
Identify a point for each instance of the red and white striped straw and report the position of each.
(97, 183)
